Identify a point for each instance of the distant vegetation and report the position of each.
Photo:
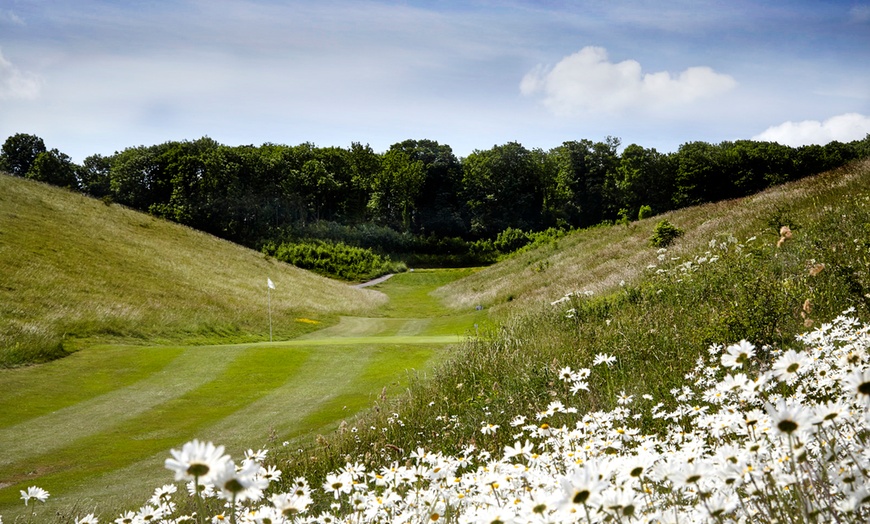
(417, 202)
(334, 259)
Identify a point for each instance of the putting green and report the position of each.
(95, 428)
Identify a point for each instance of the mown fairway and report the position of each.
(95, 427)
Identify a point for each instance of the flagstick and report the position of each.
(270, 313)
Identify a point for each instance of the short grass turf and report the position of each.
(94, 428)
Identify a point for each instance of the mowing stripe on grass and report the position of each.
(189, 370)
(235, 421)
(329, 372)
(428, 340)
(311, 401)
(385, 369)
(251, 373)
(29, 392)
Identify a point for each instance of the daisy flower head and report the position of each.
(87, 519)
(519, 420)
(34, 492)
(150, 513)
(162, 494)
(737, 354)
(791, 365)
(338, 484)
(582, 488)
(857, 384)
(197, 461)
(489, 429)
(239, 484)
(290, 504)
(128, 517)
(604, 358)
(624, 398)
(203, 490)
(831, 411)
(524, 450)
(790, 419)
(257, 456)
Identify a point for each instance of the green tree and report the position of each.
(503, 188)
(641, 177)
(95, 176)
(753, 166)
(139, 178)
(364, 165)
(438, 208)
(396, 187)
(54, 167)
(584, 167)
(699, 177)
(19, 152)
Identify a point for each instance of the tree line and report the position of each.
(417, 188)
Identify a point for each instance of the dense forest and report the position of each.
(416, 201)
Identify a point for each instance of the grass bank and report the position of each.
(76, 271)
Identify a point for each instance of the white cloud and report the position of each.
(843, 128)
(17, 84)
(588, 82)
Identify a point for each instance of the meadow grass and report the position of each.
(598, 258)
(77, 271)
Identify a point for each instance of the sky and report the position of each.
(99, 76)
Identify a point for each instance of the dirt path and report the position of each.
(375, 281)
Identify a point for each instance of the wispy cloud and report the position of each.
(7, 16)
(15, 83)
(843, 128)
(588, 82)
(860, 14)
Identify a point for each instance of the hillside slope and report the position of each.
(74, 267)
(597, 259)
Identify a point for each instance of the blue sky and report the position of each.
(93, 76)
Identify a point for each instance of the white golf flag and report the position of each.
(270, 283)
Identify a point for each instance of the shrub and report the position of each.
(511, 239)
(664, 234)
(644, 212)
(337, 260)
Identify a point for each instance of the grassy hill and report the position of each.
(597, 259)
(75, 268)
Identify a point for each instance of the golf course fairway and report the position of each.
(95, 427)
